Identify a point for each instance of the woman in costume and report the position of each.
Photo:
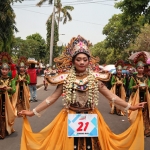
(22, 89)
(46, 73)
(118, 82)
(139, 84)
(7, 103)
(80, 88)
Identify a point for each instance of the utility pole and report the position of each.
(52, 36)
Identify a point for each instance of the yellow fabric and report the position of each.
(123, 96)
(26, 96)
(10, 114)
(54, 136)
(135, 99)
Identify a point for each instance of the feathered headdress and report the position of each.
(5, 60)
(119, 65)
(140, 59)
(22, 61)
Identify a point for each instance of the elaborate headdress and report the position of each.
(140, 60)
(148, 64)
(77, 45)
(5, 60)
(22, 61)
(119, 65)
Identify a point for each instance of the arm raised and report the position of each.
(118, 102)
(46, 103)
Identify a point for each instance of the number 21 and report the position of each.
(81, 124)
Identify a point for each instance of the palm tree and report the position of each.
(59, 9)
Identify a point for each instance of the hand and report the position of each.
(138, 106)
(8, 88)
(135, 87)
(27, 113)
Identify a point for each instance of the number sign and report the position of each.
(82, 125)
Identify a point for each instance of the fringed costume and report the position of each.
(80, 96)
(140, 94)
(7, 103)
(118, 82)
(22, 89)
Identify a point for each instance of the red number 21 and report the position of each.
(81, 125)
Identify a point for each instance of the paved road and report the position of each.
(117, 123)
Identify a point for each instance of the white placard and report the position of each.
(82, 125)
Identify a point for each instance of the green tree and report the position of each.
(7, 24)
(39, 46)
(118, 36)
(132, 10)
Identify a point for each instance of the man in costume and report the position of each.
(118, 82)
(139, 84)
(80, 88)
(22, 89)
(7, 103)
(33, 79)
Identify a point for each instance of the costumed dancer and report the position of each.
(81, 87)
(118, 82)
(22, 89)
(46, 73)
(7, 103)
(139, 85)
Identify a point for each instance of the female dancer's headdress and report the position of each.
(22, 61)
(5, 60)
(140, 60)
(119, 65)
(77, 45)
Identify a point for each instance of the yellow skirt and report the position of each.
(54, 136)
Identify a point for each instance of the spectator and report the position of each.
(33, 81)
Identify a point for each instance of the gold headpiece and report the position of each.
(5, 60)
(22, 61)
(77, 45)
(140, 60)
(119, 65)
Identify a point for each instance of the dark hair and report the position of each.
(74, 57)
(32, 66)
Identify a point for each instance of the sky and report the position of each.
(88, 19)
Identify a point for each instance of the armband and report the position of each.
(48, 102)
(113, 100)
(128, 106)
(36, 113)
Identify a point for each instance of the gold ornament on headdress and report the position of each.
(5, 60)
(22, 61)
(140, 60)
(77, 45)
(119, 65)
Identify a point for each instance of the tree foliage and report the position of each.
(118, 36)
(7, 25)
(132, 10)
(107, 55)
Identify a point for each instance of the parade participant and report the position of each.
(81, 87)
(7, 103)
(22, 89)
(33, 79)
(139, 85)
(46, 73)
(118, 82)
